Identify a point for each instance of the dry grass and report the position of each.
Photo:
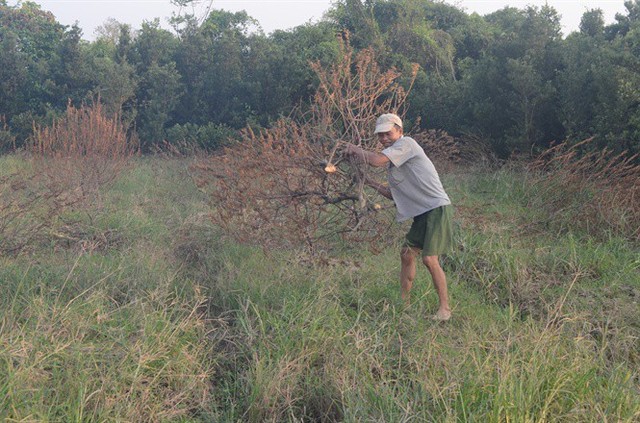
(123, 335)
(333, 345)
(588, 188)
(90, 360)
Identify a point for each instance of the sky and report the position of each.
(281, 14)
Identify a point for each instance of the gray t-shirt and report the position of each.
(413, 180)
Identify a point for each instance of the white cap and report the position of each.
(386, 122)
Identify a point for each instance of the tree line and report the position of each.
(509, 78)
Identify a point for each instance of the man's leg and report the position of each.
(440, 283)
(407, 271)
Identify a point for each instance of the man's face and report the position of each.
(388, 138)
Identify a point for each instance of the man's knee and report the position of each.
(407, 256)
(432, 262)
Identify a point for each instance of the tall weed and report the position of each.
(332, 344)
(578, 186)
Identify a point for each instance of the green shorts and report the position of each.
(432, 231)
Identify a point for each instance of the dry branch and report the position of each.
(72, 162)
(28, 209)
(278, 187)
(83, 151)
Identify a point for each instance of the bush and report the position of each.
(207, 137)
(83, 151)
(78, 156)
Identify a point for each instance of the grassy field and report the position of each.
(141, 310)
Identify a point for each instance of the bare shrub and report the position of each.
(290, 184)
(83, 151)
(581, 186)
(441, 148)
(26, 210)
(79, 155)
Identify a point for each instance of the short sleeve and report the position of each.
(400, 151)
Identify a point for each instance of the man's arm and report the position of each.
(381, 188)
(374, 159)
(369, 157)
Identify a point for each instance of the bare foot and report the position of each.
(441, 316)
(406, 304)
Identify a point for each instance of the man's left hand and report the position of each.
(352, 149)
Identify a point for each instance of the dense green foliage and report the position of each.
(510, 78)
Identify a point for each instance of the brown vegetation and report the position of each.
(71, 162)
(27, 208)
(600, 187)
(83, 151)
(290, 184)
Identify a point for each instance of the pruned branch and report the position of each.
(289, 185)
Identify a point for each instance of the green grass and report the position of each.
(152, 314)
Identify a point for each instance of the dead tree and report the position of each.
(290, 185)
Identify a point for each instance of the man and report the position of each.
(415, 187)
